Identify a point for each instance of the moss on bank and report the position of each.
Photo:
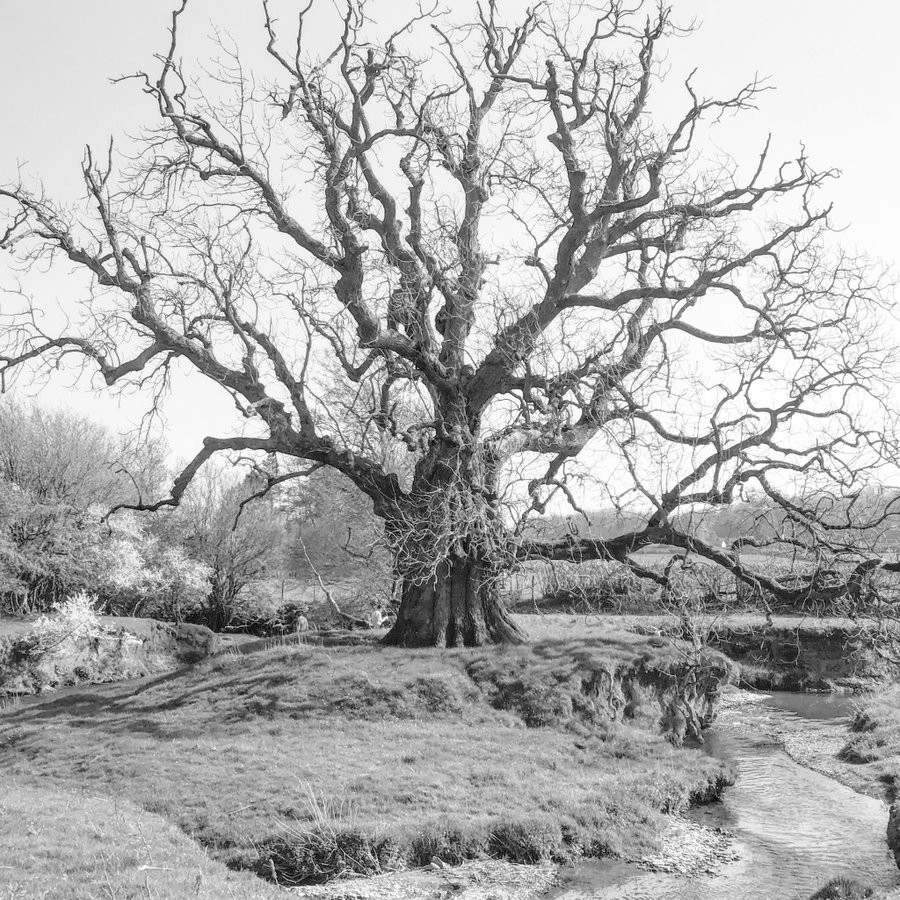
(304, 764)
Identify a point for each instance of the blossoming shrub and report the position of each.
(71, 621)
(140, 575)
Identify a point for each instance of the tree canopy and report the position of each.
(467, 263)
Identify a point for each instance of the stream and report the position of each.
(793, 828)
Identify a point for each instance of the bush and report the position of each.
(73, 619)
(59, 474)
(842, 889)
(139, 574)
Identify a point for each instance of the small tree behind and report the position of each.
(239, 542)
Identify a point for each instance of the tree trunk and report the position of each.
(459, 606)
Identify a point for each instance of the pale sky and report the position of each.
(834, 68)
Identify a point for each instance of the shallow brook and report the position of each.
(793, 828)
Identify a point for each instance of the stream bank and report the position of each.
(795, 653)
(792, 828)
(778, 653)
(107, 649)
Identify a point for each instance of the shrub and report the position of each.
(73, 619)
(139, 574)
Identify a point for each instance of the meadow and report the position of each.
(301, 763)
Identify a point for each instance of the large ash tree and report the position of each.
(480, 244)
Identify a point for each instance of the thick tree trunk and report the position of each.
(459, 606)
(450, 543)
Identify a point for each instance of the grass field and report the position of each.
(71, 844)
(308, 762)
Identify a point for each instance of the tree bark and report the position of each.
(459, 606)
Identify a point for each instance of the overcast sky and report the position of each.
(834, 67)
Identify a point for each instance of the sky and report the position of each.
(833, 68)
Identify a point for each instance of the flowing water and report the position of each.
(793, 828)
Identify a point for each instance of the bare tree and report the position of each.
(239, 542)
(528, 281)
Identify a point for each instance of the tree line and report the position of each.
(62, 474)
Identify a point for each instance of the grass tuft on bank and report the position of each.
(843, 889)
(305, 764)
(875, 743)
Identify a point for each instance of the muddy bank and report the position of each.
(647, 681)
(794, 654)
(116, 650)
(479, 880)
(781, 653)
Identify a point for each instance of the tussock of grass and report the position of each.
(877, 733)
(451, 842)
(842, 889)
(306, 764)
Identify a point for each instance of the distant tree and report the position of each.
(333, 528)
(56, 456)
(240, 543)
(530, 278)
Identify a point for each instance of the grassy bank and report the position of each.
(874, 746)
(874, 751)
(303, 764)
